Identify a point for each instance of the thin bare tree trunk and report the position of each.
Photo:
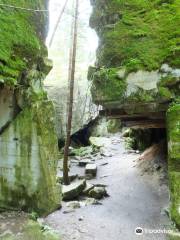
(72, 68)
(57, 23)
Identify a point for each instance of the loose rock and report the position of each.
(73, 204)
(98, 192)
(90, 201)
(73, 190)
(88, 188)
(91, 169)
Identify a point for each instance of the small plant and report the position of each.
(33, 216)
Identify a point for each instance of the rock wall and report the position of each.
(173, 124)
(28, 143)
(137, 72)
(138, 54)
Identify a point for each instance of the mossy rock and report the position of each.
(144, 34)
(29, 146)
(173, 130)
(21, 38)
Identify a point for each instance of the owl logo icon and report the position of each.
(139, 231)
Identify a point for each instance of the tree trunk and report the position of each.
(72, 68)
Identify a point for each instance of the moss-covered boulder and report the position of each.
(173, 124)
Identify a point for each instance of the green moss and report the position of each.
(168, 81)
(20, 43)
(114, 125)
(82, 151)
(34, 155)
(165, 93)
(33, 231)
(107, 84)
(142, 95)
(144, 36)
(174, 179)
(173, 130)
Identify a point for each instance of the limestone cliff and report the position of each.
(138, 55)
(28, 143)
(137, 73)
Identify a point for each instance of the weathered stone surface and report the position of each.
(98, 192)
(73, 190)
(28, 159)
(91, 169)
(8, 107)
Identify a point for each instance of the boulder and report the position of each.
(98, 192)
(88, 188)
(73, 190)
(91, 169)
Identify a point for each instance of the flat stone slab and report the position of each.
(73, 190)
(91, 169)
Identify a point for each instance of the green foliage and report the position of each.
(83, 151)
(33, 216)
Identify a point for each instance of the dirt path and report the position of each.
(135, 201)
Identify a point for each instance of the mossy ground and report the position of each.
(33, 231)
